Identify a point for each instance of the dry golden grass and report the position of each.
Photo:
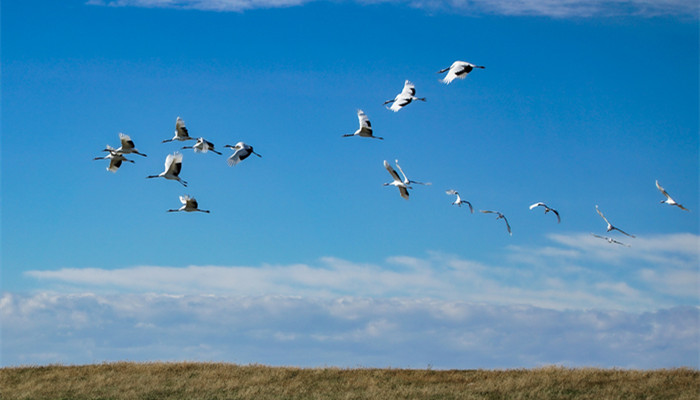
(228, 381)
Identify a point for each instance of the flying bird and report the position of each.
(546, 209)
(173, 166)
(127, 146)
(202, 146)
(499, 217)
(402, 185)
(407, 181)
(407, 95)
(610, 226)
(458, 69)
(669, 200)
(458, 202)
(610, 240)
(241, 151)
(365, 129)
(115, 159)
(181, 133)
(189, 204)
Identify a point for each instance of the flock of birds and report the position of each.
(241, 151)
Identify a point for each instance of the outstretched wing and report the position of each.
(409, 89)
(392, 172)
(601, 214)
(662, 189)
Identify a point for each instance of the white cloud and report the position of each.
(549, 8)
(578, 272)
(348, 332)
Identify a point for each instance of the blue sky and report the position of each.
(306, 259)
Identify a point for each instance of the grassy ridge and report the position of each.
(228, 381)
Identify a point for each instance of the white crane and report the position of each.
(407, 95)
(173, 166)
(181, 133)
(365, 129)
(241, 151)
(546, 209)
(459, 200)
(610, 240)
(202, 146)
(127, 146)
(402, 185)
(189, 204)
(115, 159)
(669, 200)
(499, 217)
(407, 181)
(610, 226)
(458, 69)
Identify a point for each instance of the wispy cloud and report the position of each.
(577, 271)
(348, 331)
(549, 8)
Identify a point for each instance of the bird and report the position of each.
(400, 184)
(610, 240)
(610, 226)
(458, 69)
(365, 129)
(407, 95)
(546, 209)
(459, 200)
(669, 200)
(127, 146)
(499, 217)
(181, 133)
(241, 151)
(115, 159)
(202, 146)
(173, 166)
(189, 204)
(407, 181)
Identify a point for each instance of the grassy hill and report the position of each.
(228, 381)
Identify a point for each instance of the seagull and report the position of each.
(546, 210)
(407, 181)
(407, 95)
(181, 133)
(669, 200)
(127, 146)
(202, 146)
(458, 69)
(365, 129)
(115, 159)
(459, 200)
(610, 226)
(499, 217)
(173, 165)
(610, 240)
(189, 204)
(241, 151)
(401, 184)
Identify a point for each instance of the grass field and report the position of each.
(229, 381)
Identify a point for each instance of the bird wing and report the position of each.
(557, 214)
(409, 89)
(623, 232)
(470, 206)
(406, 181)
(489, 212)
(537, 205)
(114, 164)
(173, 163)
(391, 171)
(404, 192)
(238, 155)
(127, 143)
(662, 189)
(601, 214)
(507, 224)
(180, 128)
(364, 120)
(451, 191)
(184, 199)
(192, 203)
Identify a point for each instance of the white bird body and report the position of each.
(365, 129)
(115, 159)
(173, 166)
(127, 146)
(669, 200)
(202, 146)
(458, 69)
(407, 95)
(189, 204)
(546, 210)
(181, 133)
(610, 240)
(500, 216)
(458, 202)
(241, 151)
(610, 226)
(402, 185)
